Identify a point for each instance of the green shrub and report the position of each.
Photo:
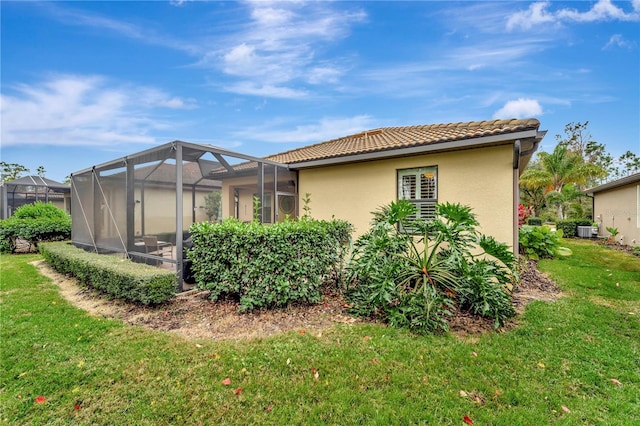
(569, 227)
(539, 242)
(483, 293)
(417, 282)
(34, 223)
(40, 210)
(268, 266)
(534, 221)
(583, 222)
(120, 278)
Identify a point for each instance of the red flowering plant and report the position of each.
(523, 214)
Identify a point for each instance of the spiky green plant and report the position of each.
(413, 273)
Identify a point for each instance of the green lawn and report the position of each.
(563, 354)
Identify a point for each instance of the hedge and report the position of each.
(569, 228)
(534, 221)
(120, 278)
(266, 266)
(34, 223)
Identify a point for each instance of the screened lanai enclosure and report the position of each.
(31, 189)
(141, 206)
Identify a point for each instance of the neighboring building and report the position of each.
(476, 164)
(29, 189)
(617, 205)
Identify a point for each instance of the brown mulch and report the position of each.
(619, 247)
(194, 316)
(533, 286)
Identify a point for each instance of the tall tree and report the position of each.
(11, 171)
(577, 138)
(532, 191)
(557, 169)
(41, 171)
(629, 162)
(596, 153)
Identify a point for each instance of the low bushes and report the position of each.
(117, 277)
(34, 223)
(267, 266)
(570, 226)
(539, 241)
(534, 221)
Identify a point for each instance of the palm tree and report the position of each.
(557, 169)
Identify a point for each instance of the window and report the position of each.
(420, 186)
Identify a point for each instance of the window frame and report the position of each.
(419, 201)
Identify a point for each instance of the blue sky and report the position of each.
(87, 82)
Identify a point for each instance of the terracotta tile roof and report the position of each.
(390, 138)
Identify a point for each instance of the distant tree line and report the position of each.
(13, 171)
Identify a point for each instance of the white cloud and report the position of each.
(265, 90)
(323, 74)
(325, 129)
(279, 48)
(83, 110)
(603, 10)
(520, 108)
(617, 40)
(280, 45)
(143, 33)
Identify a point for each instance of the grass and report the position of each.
(98, 371)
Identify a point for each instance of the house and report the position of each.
(616, 204)
(476, 164)
(29, 189)
(156, 192)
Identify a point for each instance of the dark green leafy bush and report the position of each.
(34, 223)
(417, 282)
(583, 222)
(534, 221)
(268, 266)
(117, 277)
(569, 227)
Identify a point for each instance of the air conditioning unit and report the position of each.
(584, 231)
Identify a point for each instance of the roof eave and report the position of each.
(627, 180)
(421, 149)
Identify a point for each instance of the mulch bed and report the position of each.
(193, 315)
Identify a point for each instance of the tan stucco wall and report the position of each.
(618, 208)
(481, 178)
(160, 210)
(246, 188)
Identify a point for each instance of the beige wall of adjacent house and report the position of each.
(619, 208)
(481, 178)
